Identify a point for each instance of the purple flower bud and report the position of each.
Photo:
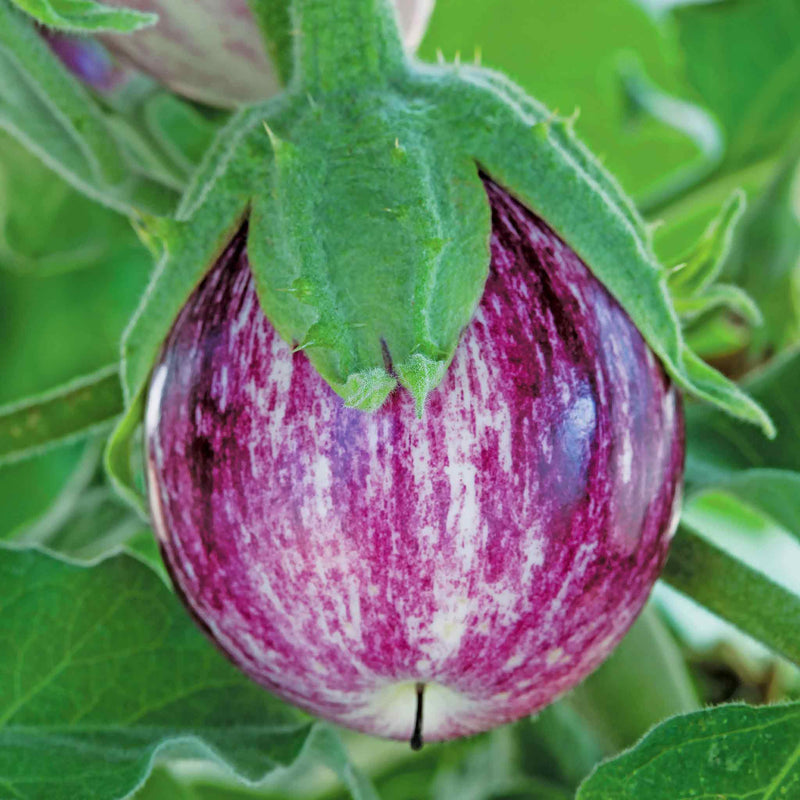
(87, 59)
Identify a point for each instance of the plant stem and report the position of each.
(75, 409)
(735, 592)
(344, 44)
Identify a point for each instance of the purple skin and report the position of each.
(494, 551)
(87, 59)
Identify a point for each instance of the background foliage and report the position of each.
(684, 103)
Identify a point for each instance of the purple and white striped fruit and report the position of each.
(485, 557)
(212, 51)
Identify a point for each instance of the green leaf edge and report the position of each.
(544, 136)
(502, 117)
(721, 295)
(586, 791)
(117, 458)
(348, 774)
(160, 304)
(98, 166)
(112, 20)
(701, 266)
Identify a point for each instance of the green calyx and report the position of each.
(368, 232)
(368, 224)
(386, 200)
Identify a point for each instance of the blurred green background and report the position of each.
(684, 102)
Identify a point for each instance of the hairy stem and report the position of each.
(735, 592)
(343, 44)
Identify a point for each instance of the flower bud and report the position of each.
(212, 50)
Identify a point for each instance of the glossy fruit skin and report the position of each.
(212, 51)
(496, 549)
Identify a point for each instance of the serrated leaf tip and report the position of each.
(421, 375)
(367, 390)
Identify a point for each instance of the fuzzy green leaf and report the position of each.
(732, 751)
(700, 268)
(399, 253)
(188, 253)
(567, 54)
(369, 228)
(85, 16)
(53, 115)
(77, 409)
(743, 596)
(210, 213)
(719, 296)
(536, 157)
(719, 447)
(100, 669)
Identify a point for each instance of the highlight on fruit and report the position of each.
(415, 429)
(476, 562)
(415, 441)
